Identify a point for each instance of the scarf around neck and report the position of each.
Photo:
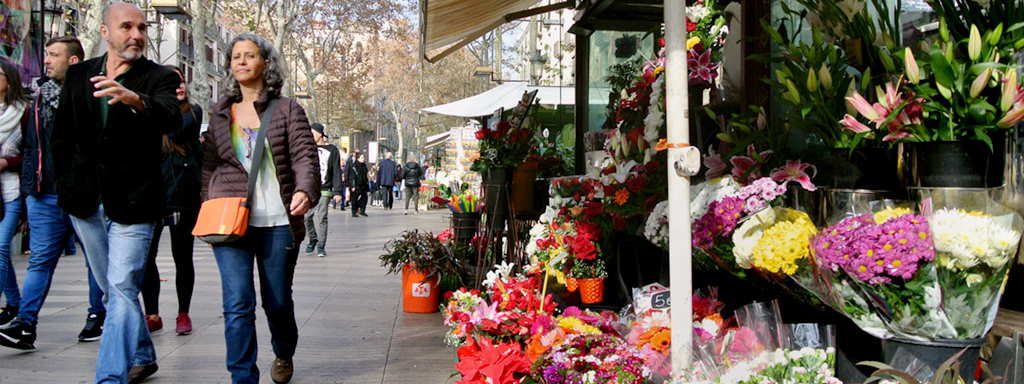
(10, 129)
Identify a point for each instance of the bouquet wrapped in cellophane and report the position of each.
(976, 240)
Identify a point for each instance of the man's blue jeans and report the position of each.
(9, 225)
(49, 229)
(117, 253)
(275, 254)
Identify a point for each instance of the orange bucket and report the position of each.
(591, 290)
(419, 294)
(572, 284)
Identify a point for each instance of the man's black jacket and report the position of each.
(120, 164)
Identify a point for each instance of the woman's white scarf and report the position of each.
(10, 129)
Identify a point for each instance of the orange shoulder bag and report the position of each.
(225, 219)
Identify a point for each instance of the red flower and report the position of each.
(481, 134)
(661, 42)
(636, 183)
(584, 249)
(690, 26)
(618, 222)
(485, 362)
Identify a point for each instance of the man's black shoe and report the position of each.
(139, 373)
(311, 247)
(364, 214)
(7, 315)
(93, 329)
(19, 336)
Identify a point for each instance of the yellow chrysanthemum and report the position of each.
(889, 213)
(692, 42)
(784, 244)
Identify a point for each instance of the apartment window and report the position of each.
(209, 54)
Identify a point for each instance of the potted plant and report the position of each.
(969, 98)
(423, 259)
(590, 275)
(502, 149)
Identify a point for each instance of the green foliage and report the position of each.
(947, 373)
(589, 269)
(994, 15)
(422, 249)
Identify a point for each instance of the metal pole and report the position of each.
(676, 102)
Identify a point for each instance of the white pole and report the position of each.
(676, 104)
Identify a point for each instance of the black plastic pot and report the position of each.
(496, 196)
(465, 226)
(958, 164)
(863, 168)
(936, 352)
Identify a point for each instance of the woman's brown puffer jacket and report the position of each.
(292, 147)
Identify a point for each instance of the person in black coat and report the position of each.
(412, 175)
(182, 176)
(358, 184)
(107, 147)
(387, 174)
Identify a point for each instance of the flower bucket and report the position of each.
(419, 294)
(465, 226)
(496, 196)
(864, 168)
(522, 186)
(572, 284)
(591, 290)
(935, 352)
(958, 164)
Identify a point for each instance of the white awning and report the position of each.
(437, 139)
(506, 96)
(447, 25)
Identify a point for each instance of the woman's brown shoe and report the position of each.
(282, 371)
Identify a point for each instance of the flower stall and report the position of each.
(857, 215)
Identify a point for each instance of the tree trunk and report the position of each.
(200, 87)
(401, 132)
(89, 30)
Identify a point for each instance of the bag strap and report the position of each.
(257, 161)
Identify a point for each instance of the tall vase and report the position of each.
(880, 169)
(958, 164)
(496, 184)
(523, 181)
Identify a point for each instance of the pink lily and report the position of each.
(1016, 113)
(878, 113)
(716, 166)
(746, 167)
(851, 123)
(483, 311)
(702, 70)
(794, 170)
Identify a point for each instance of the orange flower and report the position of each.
(622, 196)
(542, 342)
(651, 337)
(576, 211)
(662, 340)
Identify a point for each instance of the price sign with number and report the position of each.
(661, 300)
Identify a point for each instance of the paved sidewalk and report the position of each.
(351, 327)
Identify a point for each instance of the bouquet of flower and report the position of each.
(507, 312)
(562, 244)
(888, 256)
(975, 241)
(650, 328)
(587, 358)
(487, 362)
(805, 366)
(508, 144)
(712, 232)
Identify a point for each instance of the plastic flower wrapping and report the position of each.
(975, 241)
(713, 239)
(760, 349)
(888, 256)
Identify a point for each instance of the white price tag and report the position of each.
(421, 290)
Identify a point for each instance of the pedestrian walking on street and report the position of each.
(48, 223)
(330, 191)
(14, 99)
(412, 177)
(387, 173)
(359, 184)
(342, 162)
(107, 141)
(287, 185)
(182, 174)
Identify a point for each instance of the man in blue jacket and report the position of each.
(387, 172)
